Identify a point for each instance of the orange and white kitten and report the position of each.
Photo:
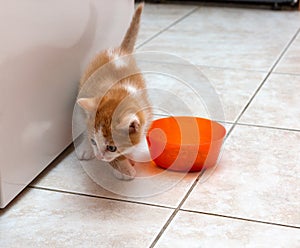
(118, 121)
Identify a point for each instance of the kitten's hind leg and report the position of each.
(84, 149)
(123, 169)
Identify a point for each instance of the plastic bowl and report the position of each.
(185, 143)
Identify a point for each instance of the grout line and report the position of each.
(223, 4)
(242, 69)
(166, 28)
(99, 197)
(264, 80)
(226, 68)
(168, 222)
(286, 73)
(269, 127)
(202, 66)
(230, 68)
(239, 218)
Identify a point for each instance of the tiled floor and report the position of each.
(251, 57)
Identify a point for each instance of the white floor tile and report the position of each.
(48, 219)
(197, 230)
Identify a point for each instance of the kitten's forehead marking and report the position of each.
(98, 134)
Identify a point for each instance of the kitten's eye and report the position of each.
(93, 142)
(111, 148)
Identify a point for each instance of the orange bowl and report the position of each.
(183, 143)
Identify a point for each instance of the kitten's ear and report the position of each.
(88, 104)
(134, 126)
(130, 124)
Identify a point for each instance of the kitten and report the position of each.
(118, 121)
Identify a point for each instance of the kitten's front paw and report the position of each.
(84, 151)
(85, 155)
(123, 170)
(125, 177)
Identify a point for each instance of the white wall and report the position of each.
(44, 47)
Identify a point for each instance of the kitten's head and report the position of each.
(113, 128)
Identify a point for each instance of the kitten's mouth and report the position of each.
(107, 160)
(99, 157)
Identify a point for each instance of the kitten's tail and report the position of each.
(132, 32)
